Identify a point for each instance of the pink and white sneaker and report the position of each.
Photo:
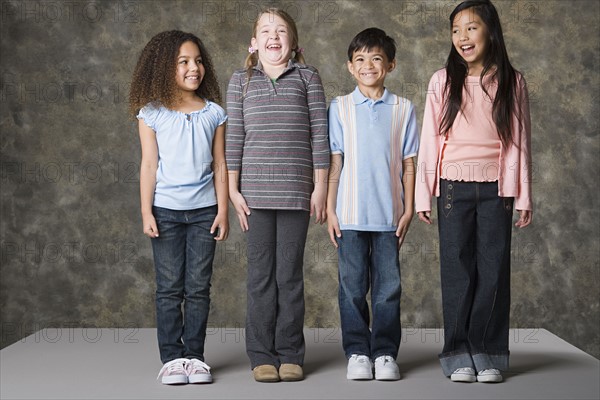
(198, 371)
(174, 372)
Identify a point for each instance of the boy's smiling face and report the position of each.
(370, 67)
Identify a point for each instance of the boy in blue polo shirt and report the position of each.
(373, 140)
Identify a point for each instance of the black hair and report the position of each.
(495, 62)
(372, 38)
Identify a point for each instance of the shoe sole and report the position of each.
(267, 380)
(359, 377)
(387, 377)
(463, 378)
(291, 378)
(200, 379)
(489, 379)
(174, 380)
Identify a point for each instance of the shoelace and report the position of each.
(176, 366)
(491, 371)
(463, 371)
(195, 364)
(360, 359)
(387, 359)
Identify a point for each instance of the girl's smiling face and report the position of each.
(190, 69)
(272, 40)
(470, 38)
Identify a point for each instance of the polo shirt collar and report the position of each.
(291, 64)
(360, 98)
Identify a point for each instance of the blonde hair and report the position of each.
(252, 58)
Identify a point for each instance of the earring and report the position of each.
(251, 50)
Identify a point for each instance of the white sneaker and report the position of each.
(359, 367)
(463, 375)
(489, 376)
(198, 371)
(386, 369)
(174, 372)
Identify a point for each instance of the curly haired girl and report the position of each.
(183, 190)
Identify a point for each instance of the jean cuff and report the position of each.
(358, 353)
(380, 354)
(452, 361)
(488, 361)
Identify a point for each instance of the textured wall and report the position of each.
(72, 251)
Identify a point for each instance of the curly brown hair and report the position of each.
(153, 79)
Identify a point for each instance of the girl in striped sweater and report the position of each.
(277, 154)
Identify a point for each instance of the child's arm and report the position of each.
(237, 199)
(523, 202)
(148, 168)
(429, 148)
(234, 145)
(317, 112)
(318, 199)
(220, 178)
(408, 181)
(333, 225)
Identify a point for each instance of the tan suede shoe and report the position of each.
(291, 372)
(265, 373)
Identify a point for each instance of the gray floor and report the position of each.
(123, 363)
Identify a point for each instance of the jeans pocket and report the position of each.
(448, 194)
(163, 214)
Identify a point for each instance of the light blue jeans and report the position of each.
(369, 260)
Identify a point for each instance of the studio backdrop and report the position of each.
(72, 249)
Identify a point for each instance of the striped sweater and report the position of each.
(277, 135)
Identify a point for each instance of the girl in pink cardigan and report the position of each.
(475, 157)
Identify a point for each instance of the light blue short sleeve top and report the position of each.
(184, 178)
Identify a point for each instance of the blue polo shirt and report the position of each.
(184, 178)
(372, 137)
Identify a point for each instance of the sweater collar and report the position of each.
(291, 65)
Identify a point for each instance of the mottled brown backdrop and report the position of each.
(72, 249)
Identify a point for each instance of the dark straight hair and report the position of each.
(495, 62)
(372, 38)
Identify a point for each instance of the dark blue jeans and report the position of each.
(369, 260)
(183, 257)
(475, 232)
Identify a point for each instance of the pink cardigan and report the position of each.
(514, 179)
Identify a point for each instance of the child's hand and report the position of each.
(149, 225)
(222, 224)
(525, 218)
(425, 216)
(317, 204)
(403, 226)
(241, 209)
(333, 227)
